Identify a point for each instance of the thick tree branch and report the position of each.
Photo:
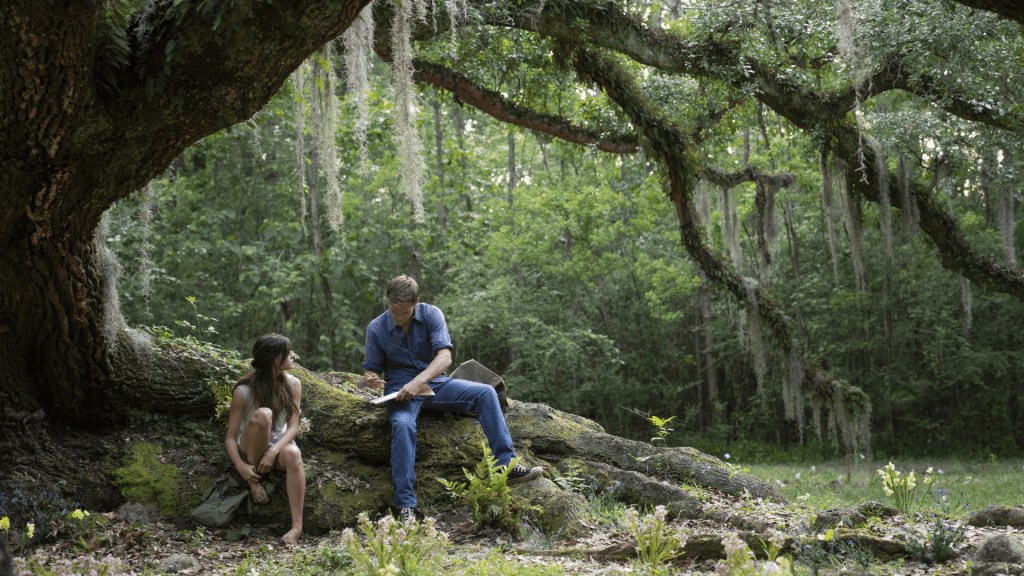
(198, 67)
(720, 177)
(613, 29)
(500, 108)
(1011, 9)
(895, 76)
(672, 148)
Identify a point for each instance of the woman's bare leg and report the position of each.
(255, 439)
(290, 460)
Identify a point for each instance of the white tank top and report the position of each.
(279, 426)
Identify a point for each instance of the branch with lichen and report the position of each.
(849, 407)
(611, 28)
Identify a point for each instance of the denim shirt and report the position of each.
(400, 357)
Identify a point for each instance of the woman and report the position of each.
(263, 423)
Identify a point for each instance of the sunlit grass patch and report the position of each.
(959, 488)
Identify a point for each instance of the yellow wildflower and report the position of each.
(30, 529)
(5, 523)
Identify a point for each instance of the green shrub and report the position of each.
(487, 494)
(390, 548)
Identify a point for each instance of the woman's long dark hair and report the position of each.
(268, 392)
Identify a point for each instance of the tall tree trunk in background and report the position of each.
(794, 258)
(697, 325)
(511, 166)
(709, 343)
(314, 216)
(746, 146)
(460, 141)
(439, 140)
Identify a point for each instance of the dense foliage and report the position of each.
(559, 266)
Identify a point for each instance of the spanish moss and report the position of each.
(406, 135)
(325, 111)
(757, 347)
(299, 82)
(145, 247)
(358, 42)
(110, 270)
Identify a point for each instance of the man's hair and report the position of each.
(402, 289)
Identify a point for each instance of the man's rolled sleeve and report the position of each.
(374, 354)
(438, 329)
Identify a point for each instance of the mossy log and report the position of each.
(347, 453)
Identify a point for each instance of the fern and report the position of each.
(487, 494)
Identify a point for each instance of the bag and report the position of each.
(220, 502)
(476, 372)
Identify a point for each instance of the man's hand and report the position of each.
(372, 380)
(414, 388)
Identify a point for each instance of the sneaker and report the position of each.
(520, 474)
(406, 515)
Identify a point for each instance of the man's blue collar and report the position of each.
(416, 315)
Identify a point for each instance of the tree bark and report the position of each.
(80, 129)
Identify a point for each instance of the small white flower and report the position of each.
(940, 471)
(797, 475)
(727, 456)
(813, 469)
(861, 456)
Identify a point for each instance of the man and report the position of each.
(410, 344)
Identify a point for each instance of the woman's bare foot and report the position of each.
(258, 493)
(292, 536)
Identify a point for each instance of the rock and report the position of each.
(139, 513)
(848, 517)
(1000, 548)
(561, 513)
(631, 487)
(177, 563)
(999, 516)
(994, 569)
(854, 517)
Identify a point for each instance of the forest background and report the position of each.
(560, 266)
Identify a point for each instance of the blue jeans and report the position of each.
(451, 396)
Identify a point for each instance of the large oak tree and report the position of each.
(98, 98)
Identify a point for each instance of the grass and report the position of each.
(968, 486)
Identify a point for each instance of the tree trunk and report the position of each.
(54, 355)
(439, 156)
(80, 130)
(348, 453)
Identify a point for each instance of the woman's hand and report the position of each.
(248, 472)
(267, 462)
